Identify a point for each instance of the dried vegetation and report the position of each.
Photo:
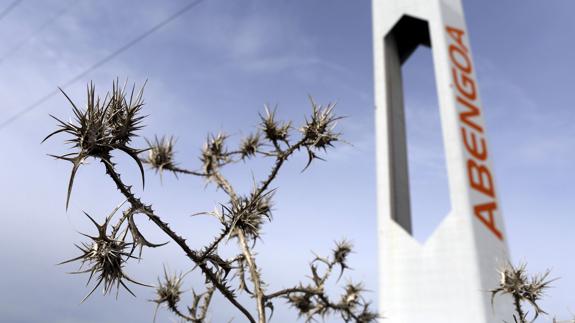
(110, 124)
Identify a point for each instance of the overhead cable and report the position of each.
(10, 7)
(99, 63)
(38, 30)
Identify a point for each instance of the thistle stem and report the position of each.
(176, 311)
(280, 159)
(137, 204)
(518, 308)
(287, 291)
(255, 275)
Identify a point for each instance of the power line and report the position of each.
(38, 30)
(10, 7)
(99, 63)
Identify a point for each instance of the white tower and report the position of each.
(447, 278)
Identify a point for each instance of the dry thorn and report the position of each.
(111, 123)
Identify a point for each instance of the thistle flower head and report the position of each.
(105, 258)
(353, 307)
(352, 294)
(515, 281)
(318, 130)
(273, 129)
(214, 153)
(103, 126)
(169, 290)
(123, 114)
(249, 213)
(250, 145)
(302, 302)
(342, 250)
(161, 154)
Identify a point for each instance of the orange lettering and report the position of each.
(473, 147)
(465, 85)
(480, 178)
(457, 35)
(489, 221)
(479, 174)
(465, 66)
(466, 116)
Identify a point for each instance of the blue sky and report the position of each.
(212, 70)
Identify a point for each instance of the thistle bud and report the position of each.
(273, 129)
(250, 146)
(105, 258)
(318, 130)
(161, 154)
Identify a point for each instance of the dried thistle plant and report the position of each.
(311, 300)
(104, 125)
(523, 288)
(112, 123)
(169, 290)
(161, 155)
(319, 129)
(105, 256)
(250, 146)
(274, 131)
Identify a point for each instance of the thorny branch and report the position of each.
(523, 289)
(311, 300)
(111, 123)
(147, 210)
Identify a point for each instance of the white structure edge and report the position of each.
(448, 278)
